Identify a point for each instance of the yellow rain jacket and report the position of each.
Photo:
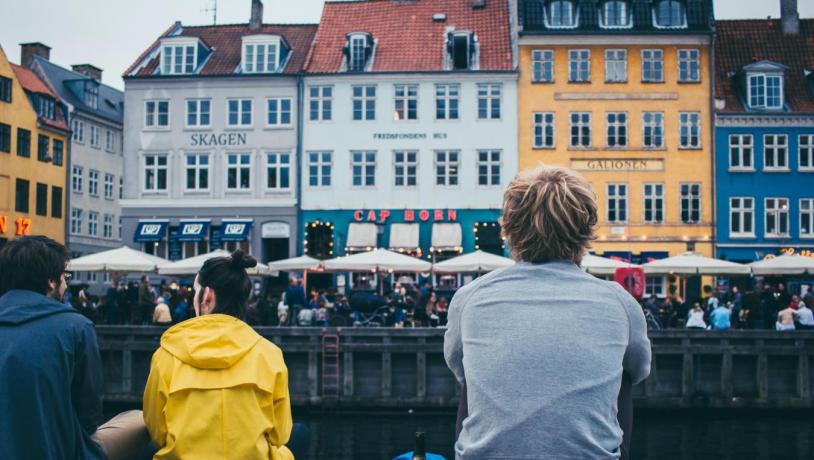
(218, 390)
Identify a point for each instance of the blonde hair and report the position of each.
(549, 213)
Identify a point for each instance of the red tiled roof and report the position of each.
(743, 42)
(408, 40)
(30, 81)
(226, 40)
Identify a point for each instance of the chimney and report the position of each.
(90, 70)
(256, 20)
(789, 17)
(29, 50)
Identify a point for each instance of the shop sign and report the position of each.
(22, 226)
(276, 230)
(618, 164)
(408, 136)
(410, 215)
(799, 252)
(226, 139)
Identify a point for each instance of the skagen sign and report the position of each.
(618, 164)
(224, 139)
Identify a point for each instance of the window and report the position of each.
(579, 66)
(93, 182)
(653, 129)
(42, 148)
(108, 186)
(76, 221)
(79, 131)
(278, 112)
(616, 129)
(654, 285)
(805, 152)
(5, 138)
(23, 142)
(155, 173)
(5, 89)
(107, 228)
(46, 107)
(92, 94)
(615, 14)
(775, 152)
(406, 102)
(405, 168)
(580, 129)
(363, 165)
(319, 169)
(489, 101)
(110, 140)
(178, 59)
(94, 136)
(76, 179)
(93, 222)
(261, 57)
(278, 167)
(561, 14)
(543, 130)
(197, 171)
(239, 112)
(359, 49)
(489, 167)
(690, 203)
(364, 102)
(320, 102)
(42, 199)
(777, 217)
(542, 66)
(653, 66)
(689, 65)
(238, 171)
(653, 203)
(615, 66)
(198, 113)
(58, 152)
(56, 202)
(807, 218)
(617, 203)
(741, 217)
(446, 167)
(765, 91)
(690, 130)
(740, 152)
(157, 114)
(669, 14)
(121, 187)
(447, 100)
(460, 47)
(21, 195)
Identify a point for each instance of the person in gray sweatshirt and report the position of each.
(542, 346)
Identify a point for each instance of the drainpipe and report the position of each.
(300, 124)
(714, 152)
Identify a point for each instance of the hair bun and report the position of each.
(242, 261)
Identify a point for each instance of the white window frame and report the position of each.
(77, 176)
(541, 123)
(277, 122)
(687, 58)
(581, 124)
(542, 66)
(447, 169)
(654, 58)
(95, 137)
(197, 167)
(776, 147)
(93, 223)
(363, 100)
(682, 25)
(759, 82)
(78, 131)
(742, 143)
(777, 211)
(806, 214)
(320, 164)
(626, 10)
(322, 100)
(656, 128)
(156, 169)
(690, 121)
(809, 148)
(239, 167)
(655, 285)
(367, 168)
(170, 62)
(354, 48)
(621, 201)
(241, 111)
(574, 16)
(110, 141)
(274, 161)
(616, 130)
(693, 202)
(93, 182)
(198, 113)
(653, 195)
(615, 57)
(107, 186)
(403, 94)
(445, 94)
(490, 164)
(76, 221)
(152, 117)
(401, 169)
(739, 212)
(578, 71)
(250, 48)
(107, 226)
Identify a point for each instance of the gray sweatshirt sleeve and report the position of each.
(636, 362)
(453, 343)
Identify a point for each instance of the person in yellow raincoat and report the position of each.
(217, 389)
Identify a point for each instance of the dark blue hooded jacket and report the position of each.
(50, 380)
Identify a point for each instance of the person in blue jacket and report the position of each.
(50, 370)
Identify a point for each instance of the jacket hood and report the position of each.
(210, 341)
(19, 306)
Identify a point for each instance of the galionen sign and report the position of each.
(618, 164)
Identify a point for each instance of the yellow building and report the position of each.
(621, 92)
(33, 155)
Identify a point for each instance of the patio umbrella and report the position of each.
(123, 259)
(691, 263)
(478, 261)
(602, 266)
(295, 264)
(379, 260)
(784, 265)
(192, 265)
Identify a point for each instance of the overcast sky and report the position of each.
(111, 34)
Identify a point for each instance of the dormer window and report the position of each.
(616, 14)
(263, 54)
(765, 91)
(358, 51)
(561, 14)
(46, 107)
(461, 49)
(669, 14)
(91, 94)
(179, 55)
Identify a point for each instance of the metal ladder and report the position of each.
(330, 365)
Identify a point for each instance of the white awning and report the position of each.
(362, 236)
(122, 259)
(192, 265)
(794, 264)
(379, 260)
(690, 263)
(446, 236)
(404, 236)
(478, 261)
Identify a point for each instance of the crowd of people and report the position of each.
(766, 306)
